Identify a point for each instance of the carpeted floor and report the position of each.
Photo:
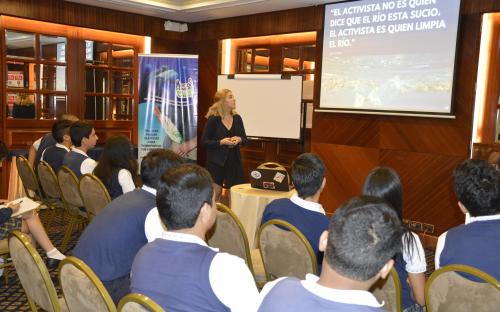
(12, 297)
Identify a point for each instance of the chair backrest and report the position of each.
(95, 196)
(138, 303)
(82, 289)
(388, 290)
(48, 180)
(285, 251)
(32, 273)
(28, 177)
(68, 182)
(446, 290)
(229, 235)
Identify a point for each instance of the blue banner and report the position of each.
(168, 103)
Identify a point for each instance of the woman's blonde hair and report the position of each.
(217, 108)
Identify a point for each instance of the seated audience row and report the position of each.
(117, 166)
(363, 240)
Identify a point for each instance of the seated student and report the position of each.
(384, 182)
(363, 237)
(117, 167)
(303, 211)
(476, 243)
(110, 242)
(37, 148)
(84, 138)
(179, 271)
(29, 224)
(54, 155)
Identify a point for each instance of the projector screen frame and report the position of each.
(423, 114)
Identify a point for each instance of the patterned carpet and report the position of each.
(12, 297)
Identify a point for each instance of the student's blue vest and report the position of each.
(47, 141)
(288, 295)
(73, 161)
(114, 188)
(110, 242)
(176, 276)
(54, 156)
(476, 244)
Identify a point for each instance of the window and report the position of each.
(253, 60)
(109, 81)
(36, 86)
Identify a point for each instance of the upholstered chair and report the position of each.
(388, 290)
(68, 182)
(28, 177)
(95, 196)
(228, 235)
(82, 289)
(33, 275)
(50, 186)
(138, 303)
(285, 251)
(448, 290)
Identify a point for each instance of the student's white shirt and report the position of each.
(229, 276)
(308, 205)
(153, 227)
(126, 181)
(88, 164)
(415, 263)
(36, 144)
(359, 297)
(442, 238)
(57, 145)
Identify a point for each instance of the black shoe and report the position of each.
(52, 263)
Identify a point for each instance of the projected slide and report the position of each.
(393, 55)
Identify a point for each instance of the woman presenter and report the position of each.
(223, 134)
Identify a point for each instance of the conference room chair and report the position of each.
(33, 275)
(50, 186)
(82, 289)
(95, 196)
(138, 303)
(285, 251)
(5, 255)
(228, 235)
(388, 290)
(29, 179)
(447, 290)
(68, 182)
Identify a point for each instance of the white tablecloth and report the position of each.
(249, 203)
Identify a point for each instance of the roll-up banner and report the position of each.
(168, 103)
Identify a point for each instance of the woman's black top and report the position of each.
(215, 131)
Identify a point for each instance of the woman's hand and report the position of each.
(236, 140)
(227, 141)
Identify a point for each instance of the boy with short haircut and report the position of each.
(178, 270)
(84, 138)
(110, 242)
(475, 243)
(303, 210)
(54, 155)
(363, 237)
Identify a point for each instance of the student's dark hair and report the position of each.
(477, 187)
(157, 162)
(78, 131)
(308, 172)
(181, 193)
(364, 234)
(117, 154)
(59, 129)
(384, 182)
